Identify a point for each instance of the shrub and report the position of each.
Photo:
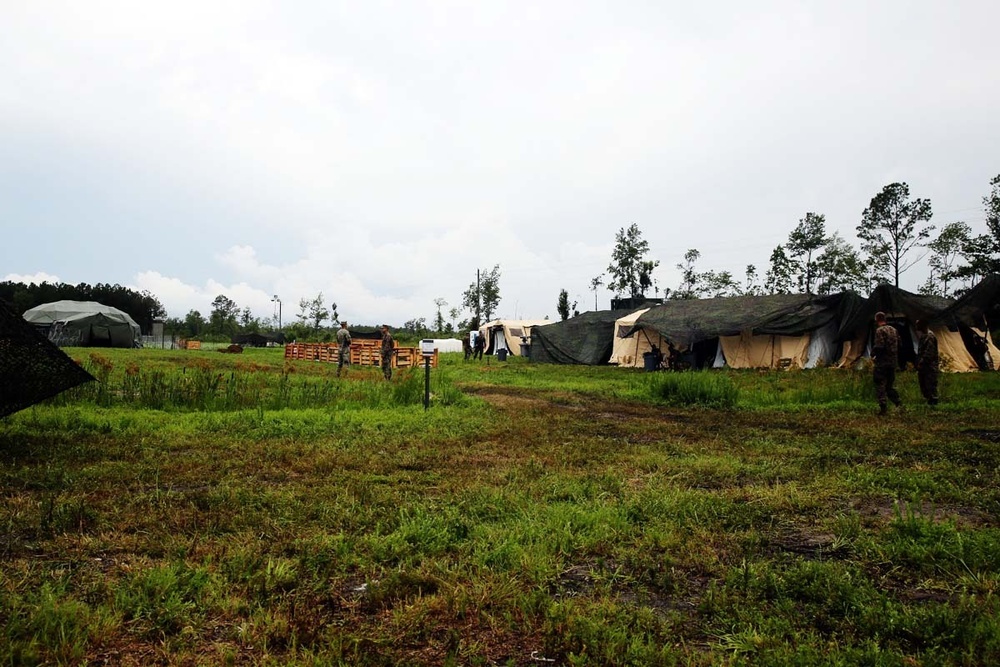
(699, 388)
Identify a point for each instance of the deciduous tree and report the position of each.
(804, 242)
(439, 316)
(194, 324)
(312, 312)
(946, 249)
(779, 277)
(890, 229)
(630, 271)
(483, 298)
(982, 252)
(563, 307)
(222, 320)
(595, 284)
(750, 286)
(839, 268)
(689, 276)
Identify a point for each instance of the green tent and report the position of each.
(84, 323)
(31, 368)
(584, 339)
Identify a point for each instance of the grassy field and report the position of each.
(202, 508)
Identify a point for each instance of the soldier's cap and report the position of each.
(343, 323)
(880, 315)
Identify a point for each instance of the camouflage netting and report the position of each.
(979, 307)
(31, 368)
(687, 322)
(896, 304)
(584, 339)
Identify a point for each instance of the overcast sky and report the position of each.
(380, 152)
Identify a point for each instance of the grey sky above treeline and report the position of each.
(381, 152)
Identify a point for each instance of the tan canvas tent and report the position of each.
(902, 309)
(508, 334)
(963, 329)
(808, 349)
(627, 350)
(771, 331)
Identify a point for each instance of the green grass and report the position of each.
(201, 508)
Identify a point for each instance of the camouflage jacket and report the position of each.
(343, 338)
(927, 352)
(885, 351)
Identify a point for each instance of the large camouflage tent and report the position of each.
(31, 368)
(769, 331)
(584, 339)
(968, 322)
(902, 310)
(84, 323)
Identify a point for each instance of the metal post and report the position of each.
(427, 381)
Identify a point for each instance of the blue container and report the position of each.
(501, 355)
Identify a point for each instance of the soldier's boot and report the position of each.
(883, 409)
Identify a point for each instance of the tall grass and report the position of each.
(200, 385)
(699, 388)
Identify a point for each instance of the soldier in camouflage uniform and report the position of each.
(928, 363)
(388, 348)
(885, 354)
(344, 347)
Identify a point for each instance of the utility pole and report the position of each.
(479, 298)
(278, 301)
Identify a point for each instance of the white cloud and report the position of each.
(381, 152)
(37, 278)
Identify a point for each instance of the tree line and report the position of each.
(142, 306)
(894, 235)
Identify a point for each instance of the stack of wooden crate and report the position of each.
(363, 353)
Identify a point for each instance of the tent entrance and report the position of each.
(978, 346)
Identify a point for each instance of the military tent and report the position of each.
(84, 323)
(508, 334)
(627, 350)
(31, 368)
(585, 339)
(770, 331)
(902, 309)
(963, 328)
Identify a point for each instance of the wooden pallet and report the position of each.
(363, 353)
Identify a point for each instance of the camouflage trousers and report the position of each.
(885, 381)
(387, 365)
(929, 384)
(343, 357)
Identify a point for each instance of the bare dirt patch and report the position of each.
(885, 510)
(983, 434)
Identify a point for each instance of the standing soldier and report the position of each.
(885, 354)
(344, 341)
(466, 346)
(479, 346)
(387, 350)
(928, 363)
